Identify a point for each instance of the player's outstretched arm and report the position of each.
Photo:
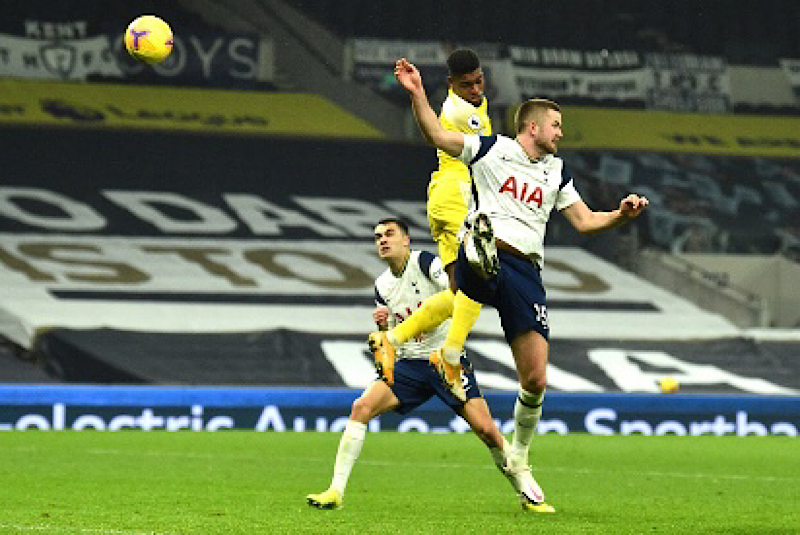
(587, 221)
(409, 77)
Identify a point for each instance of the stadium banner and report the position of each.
(170, 108)
(676, 82)
(688, 82)
(110, 408)
(791, 68)
(371, 62)
(723, 134)
(80, 44)
(596, 75)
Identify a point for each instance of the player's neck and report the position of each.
(532, 152)
(398, 265)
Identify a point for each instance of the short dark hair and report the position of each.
(462, 61)
(397, 221)
(531, 110)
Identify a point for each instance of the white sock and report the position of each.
(499, 455)
(349, 449)
(527, 412)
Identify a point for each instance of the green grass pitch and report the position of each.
(247, 482)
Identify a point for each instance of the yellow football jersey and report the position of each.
(449, 187)
(458, 115)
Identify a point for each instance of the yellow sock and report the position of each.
(465, 314)
(434, 310)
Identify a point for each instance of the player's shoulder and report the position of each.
(385, 279)
(463, 116)
(500, 145)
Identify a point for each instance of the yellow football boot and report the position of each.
(450, 375)
(384, 355)
(330, 499)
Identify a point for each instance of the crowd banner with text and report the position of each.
(688, 82)
(562, 73)
(660, 81)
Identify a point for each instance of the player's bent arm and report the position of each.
(587, 221)
(381, 317)
(450, 142)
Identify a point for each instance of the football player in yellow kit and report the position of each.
(449, 191)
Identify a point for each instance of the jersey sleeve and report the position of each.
(476, 147)
(431, 266)
(567, 194)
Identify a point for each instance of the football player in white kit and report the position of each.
(411, 277)
(516, 184)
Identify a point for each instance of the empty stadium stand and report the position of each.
(745, 32)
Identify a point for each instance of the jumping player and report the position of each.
(517, 182)
(465, 110)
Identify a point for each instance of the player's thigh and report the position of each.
(446, 213)
(376, 399)
(531, 351)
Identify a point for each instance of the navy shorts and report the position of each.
(415, 382)
(516, 292)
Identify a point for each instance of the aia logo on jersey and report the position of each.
(522, 194)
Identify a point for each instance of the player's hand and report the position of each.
(408, 76)
(632, 205)
(381, 317)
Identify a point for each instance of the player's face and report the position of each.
(390, 241)
(469, 86)
(548, 132)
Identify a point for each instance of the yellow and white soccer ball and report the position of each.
(149, 39)
(669, 385)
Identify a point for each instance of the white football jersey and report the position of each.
(422, 278)
(517, 193)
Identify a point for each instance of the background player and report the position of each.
(464, 110)
(411, 277)
(518, 183)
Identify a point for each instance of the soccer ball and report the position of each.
(148, 39)
(669, 385)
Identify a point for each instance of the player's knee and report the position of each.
(361, 410)
(534, 382)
